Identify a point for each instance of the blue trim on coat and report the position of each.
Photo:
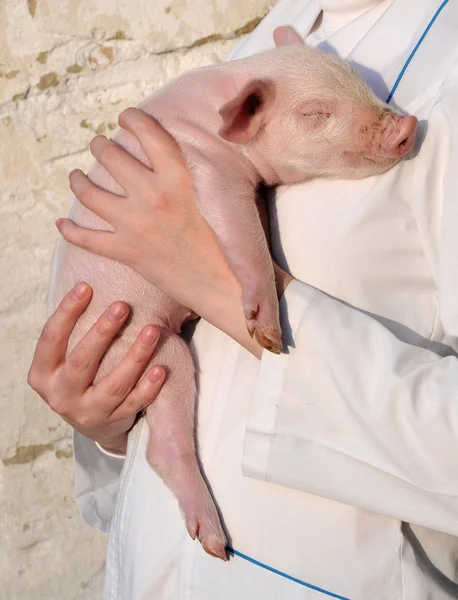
(414, 51)
(285, 575)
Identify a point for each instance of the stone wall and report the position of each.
(67, 69)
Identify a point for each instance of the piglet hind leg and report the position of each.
(171, 448)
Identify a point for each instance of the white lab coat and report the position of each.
(316, 456)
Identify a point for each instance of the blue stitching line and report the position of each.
(276, 572)
(412, 54)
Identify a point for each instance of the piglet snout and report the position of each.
(401, 136)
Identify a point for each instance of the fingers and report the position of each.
(52, 345)
(161, 149)
(82, 363)
(143, 394)
(122, 166)
(96, 241)
(117, 386)
(106, 205)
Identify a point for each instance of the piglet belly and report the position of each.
(111, 281)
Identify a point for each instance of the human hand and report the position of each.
(104, 412)
(158, 229)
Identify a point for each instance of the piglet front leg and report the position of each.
(228, 202)
(260, 304)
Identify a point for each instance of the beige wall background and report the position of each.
(67, 69)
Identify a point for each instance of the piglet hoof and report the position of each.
(215, 548)
(261, 322)
(250, 311)
(269, 338)
(210, 535)
(251, 326)
(192, 526)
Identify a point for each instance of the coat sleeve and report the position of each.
(352, 413)
(97, 477)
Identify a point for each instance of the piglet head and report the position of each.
(310, 115)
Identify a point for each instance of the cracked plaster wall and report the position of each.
(67, 69)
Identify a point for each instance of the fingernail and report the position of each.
(129, 110)
(71, 173)
(117, 312)
(149, 336)
(59, 224)
(80, 290)
(155, 374)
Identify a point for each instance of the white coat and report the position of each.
(315, 457)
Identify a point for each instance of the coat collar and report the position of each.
(383, 48)
(298, 13)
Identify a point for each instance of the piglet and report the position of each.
(279, 117)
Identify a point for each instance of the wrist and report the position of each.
(113, 447)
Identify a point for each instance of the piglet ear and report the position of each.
(244, 115)
(287, 36)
